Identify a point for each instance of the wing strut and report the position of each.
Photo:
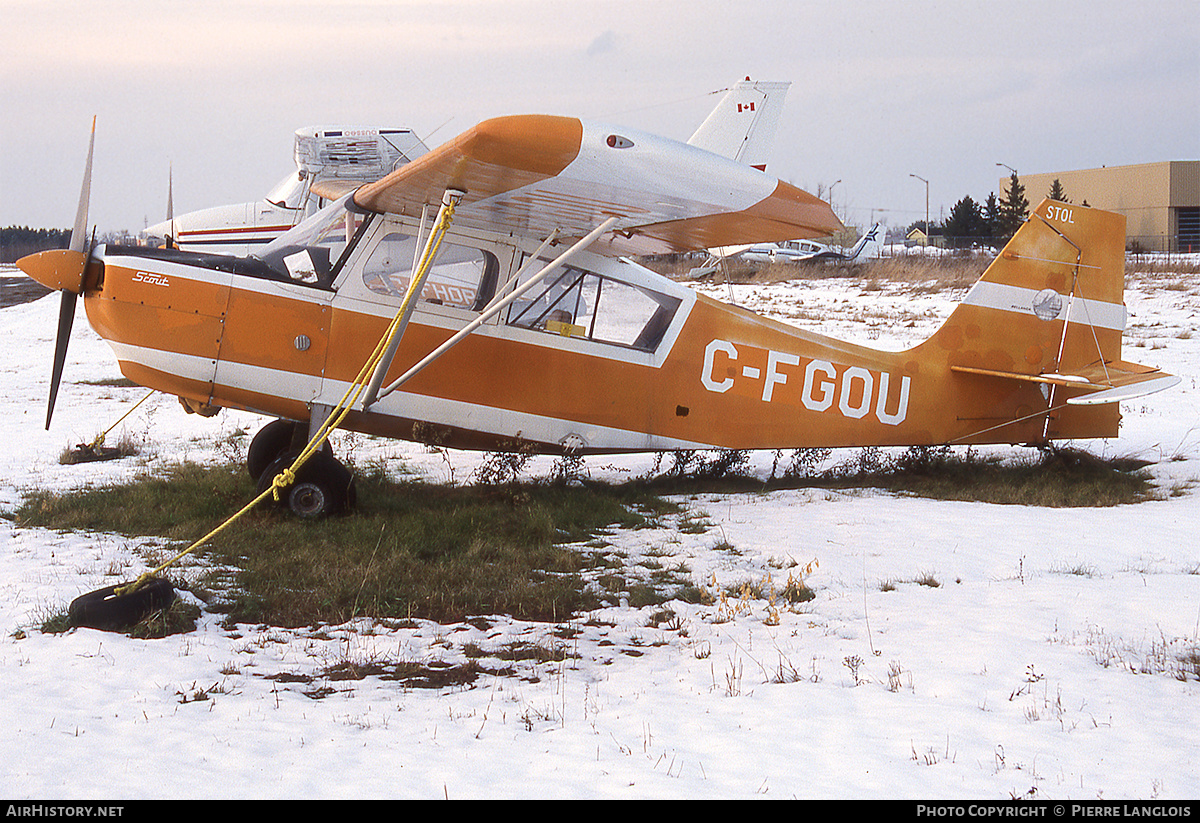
(445, 214)
(496, 306)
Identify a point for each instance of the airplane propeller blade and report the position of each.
(79, 231)
(66, 318)
(66, 308)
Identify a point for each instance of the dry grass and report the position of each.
(444, 553)
(1055, 477)
(927, 274)
(1156, 264)
(1180, 277)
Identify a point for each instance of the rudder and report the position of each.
(1049, 311)
(1053, 299)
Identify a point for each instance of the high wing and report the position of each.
(534, 174)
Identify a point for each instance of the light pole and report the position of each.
(926, 182)
(835, 182)
(1008, 197)
(1010, 168)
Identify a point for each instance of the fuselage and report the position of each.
(236, 229)
(789, 251)
(603, 356)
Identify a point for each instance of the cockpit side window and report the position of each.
(576, 303)
(461, 276)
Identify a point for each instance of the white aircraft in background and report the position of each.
(803, 251)
(741, 127)
(361, 154)
(793, 251)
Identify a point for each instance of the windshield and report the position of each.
(309, 250)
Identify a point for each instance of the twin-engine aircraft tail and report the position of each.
(1050, 310)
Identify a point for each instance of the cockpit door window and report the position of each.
(461, 276)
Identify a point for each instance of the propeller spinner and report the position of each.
(63, 270)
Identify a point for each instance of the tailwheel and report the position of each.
(323, 486)
(274, 440)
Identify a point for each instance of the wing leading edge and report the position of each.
(531, 174)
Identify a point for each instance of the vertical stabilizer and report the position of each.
(743, 125)
(1049, 311)
(1053, 300)
(869, 245)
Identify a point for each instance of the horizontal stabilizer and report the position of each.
(1128, 391)
(1105, 383)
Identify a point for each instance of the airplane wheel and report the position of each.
(103, 609)
(271, 441)
(323, 486)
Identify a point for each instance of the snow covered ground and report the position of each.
(1044, 664)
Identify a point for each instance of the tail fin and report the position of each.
(869, 245)
(1050, 310)
(742, 126)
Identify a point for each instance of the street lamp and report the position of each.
(835, 182)
(1010, 168)
(926, 182)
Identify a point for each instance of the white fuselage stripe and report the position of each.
(474, 417)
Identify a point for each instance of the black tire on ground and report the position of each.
(274, 439)
(323, 486)
(271, 441)
(104, 609)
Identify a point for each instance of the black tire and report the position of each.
(104, 609)
(273, 440)
(323, 486)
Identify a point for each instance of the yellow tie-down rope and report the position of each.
(95, 445)
(288, 476)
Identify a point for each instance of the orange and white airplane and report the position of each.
(530, 325)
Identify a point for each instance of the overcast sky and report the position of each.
(881, 90)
